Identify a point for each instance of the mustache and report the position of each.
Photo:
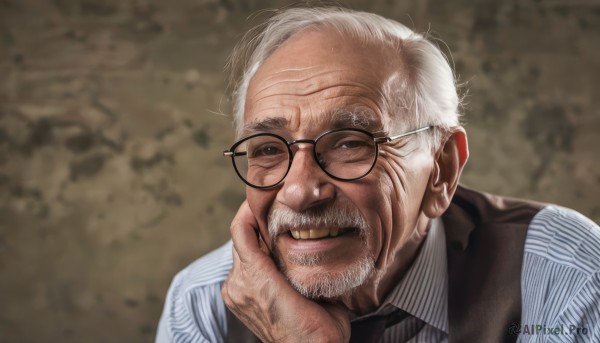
(282, 219)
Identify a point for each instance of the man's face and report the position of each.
(315, 82)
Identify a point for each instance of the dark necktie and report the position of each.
(370, 330)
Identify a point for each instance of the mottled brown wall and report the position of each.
(111, 175)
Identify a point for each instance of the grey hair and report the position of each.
(426, 96)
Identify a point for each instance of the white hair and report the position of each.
(426, 96)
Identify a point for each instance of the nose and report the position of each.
(306, 185)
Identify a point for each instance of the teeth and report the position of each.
(334, 232)
(315, 233)
(319, 233)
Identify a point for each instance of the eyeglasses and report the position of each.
(263, 160)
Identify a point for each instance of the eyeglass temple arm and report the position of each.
(228, 153)
(393, 138)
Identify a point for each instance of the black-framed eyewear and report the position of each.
(263, 160)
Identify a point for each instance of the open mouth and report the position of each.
(321, 233)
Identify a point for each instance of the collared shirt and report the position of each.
(560, 288)
(422, 293)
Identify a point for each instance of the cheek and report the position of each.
(401, 188)
(373, 196)
(392, 182)
(390, 206)
(405, 179)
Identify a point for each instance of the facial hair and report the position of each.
(321, 285)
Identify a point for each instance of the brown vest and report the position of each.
(485, 238)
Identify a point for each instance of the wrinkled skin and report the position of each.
(315, 74)
(263, 299)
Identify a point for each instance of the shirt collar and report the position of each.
(423, 291)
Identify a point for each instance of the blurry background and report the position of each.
(111, 133)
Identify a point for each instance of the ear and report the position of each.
(447, 167)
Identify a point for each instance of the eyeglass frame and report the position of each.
(377, 140)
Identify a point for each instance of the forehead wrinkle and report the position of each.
(298, 70)
(359, 118)
(331, 92)
(353, 112)
(297, 75)
(309, 84)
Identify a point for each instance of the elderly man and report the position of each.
(355, 227)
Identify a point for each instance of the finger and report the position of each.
(236, 256)
(263, 246)
(244, 216)
(340, 319)
(244, 233)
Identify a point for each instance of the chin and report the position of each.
(317, 282)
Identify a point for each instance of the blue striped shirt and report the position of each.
(427, 306)
(560, 288)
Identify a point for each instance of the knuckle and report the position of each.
(225, 292)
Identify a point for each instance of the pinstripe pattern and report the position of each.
(423, 293)
(561, 276)
(560, 286)
(194, 310)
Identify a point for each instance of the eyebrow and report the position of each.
(271, 123)
(336, 118)
(358, 118)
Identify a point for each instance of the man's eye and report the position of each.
(266, 151)
(350, 144)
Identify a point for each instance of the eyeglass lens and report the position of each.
(264, 160)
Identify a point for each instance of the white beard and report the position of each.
(321, 285)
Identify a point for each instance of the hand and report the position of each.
(260, 296)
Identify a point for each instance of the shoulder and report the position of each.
(565, 237)
(194, 310)
(561, 271)
(210, 269)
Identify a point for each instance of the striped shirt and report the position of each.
(427, 306)
(560, 288)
